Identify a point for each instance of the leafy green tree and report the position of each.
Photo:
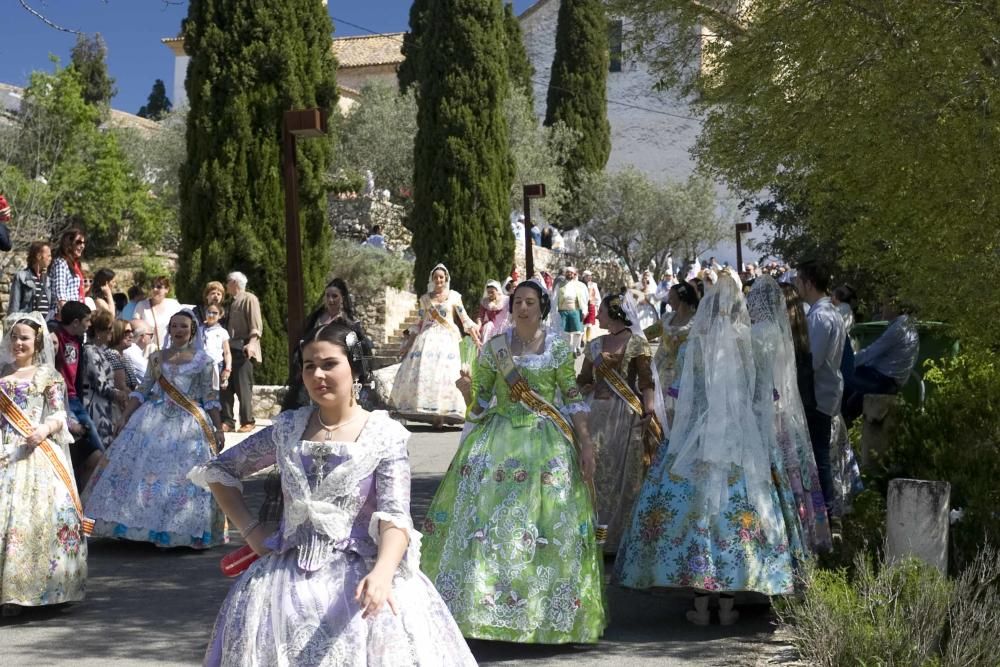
(577, 88)
(251, 62)
(519, 69)
(62, 169)
(378, 135)
(412, 45)
(89, 59)
(882, 132)
(157, 104)
(632, 218)
(462, 164)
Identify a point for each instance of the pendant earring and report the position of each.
(356, 390)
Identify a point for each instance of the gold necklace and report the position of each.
(330, 429)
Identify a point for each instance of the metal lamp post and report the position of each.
(305, 124)
(534, 191)
(741, 228)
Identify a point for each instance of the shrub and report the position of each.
(956, 438)
(893, 615)
(903, 614)
(367, 270)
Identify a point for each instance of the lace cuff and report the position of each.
(137, 394)
(211, 474)
(211, 405)
(61, 435)
(411, 559)
(573, 408)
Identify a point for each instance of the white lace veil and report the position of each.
(632, 312)
(430, 278)
(197, 340)
(44, 357)
(710, 439)
(773, 333)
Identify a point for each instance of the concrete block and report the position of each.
(917, 521)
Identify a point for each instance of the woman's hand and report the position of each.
(255, 539)
(37, 436)
(587, 463)
(373, 590)
(464, 385)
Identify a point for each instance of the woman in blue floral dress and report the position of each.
(142, 493)
(708, 516)
(509, 537)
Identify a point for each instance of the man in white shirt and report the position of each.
(137, 353)
(826, 342)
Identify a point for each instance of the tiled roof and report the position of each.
(360, 51)
(369, 50)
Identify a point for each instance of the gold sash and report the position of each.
(440, 319)
(189, 406)
(522, 392)
(654, 431)
(16, 418)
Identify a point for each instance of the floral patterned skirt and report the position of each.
(143, 493)
(279, 614)
(43, 554)
(425, 382)
(671, 542)
(617, 433)
(509, 538)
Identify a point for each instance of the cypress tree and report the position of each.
(462, 166)
(157, 104)
(251, 62)
(406, 75)
(578, 86)
(519, 67)
(89, 59)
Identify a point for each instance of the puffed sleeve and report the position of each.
(483, 378)
(573, 400)
(456, 300)
(641, 357)
(392, 500)
(252, 455)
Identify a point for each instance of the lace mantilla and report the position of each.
(552, 356)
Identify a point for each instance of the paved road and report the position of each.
(150, 607)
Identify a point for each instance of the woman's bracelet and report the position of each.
(247, 529)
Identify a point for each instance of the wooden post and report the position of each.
(534, 191)
(741, 227)
(306, 123)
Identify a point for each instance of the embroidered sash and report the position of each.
(624, 392)
(441, 319)
(16, 418)
(522, 392)
(189, 406)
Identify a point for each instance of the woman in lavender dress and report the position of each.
(339, 583)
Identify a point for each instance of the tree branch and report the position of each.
(44, 19)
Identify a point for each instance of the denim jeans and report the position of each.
(92, 439)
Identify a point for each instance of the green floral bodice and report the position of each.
(547, 372)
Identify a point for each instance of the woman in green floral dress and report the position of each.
(509, 537)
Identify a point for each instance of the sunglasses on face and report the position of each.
(80, 242)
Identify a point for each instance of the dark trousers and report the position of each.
(820, 434)
(864, 380)
(241, 385)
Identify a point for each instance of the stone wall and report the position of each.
(382, 315)
(267, 400)
(353, 219)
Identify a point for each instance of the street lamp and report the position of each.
(741, 228)
(534, 191)
(305, 124)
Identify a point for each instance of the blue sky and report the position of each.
(132, 30)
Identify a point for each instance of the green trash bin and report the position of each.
(935, 343)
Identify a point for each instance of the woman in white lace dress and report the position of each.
(339, 583)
